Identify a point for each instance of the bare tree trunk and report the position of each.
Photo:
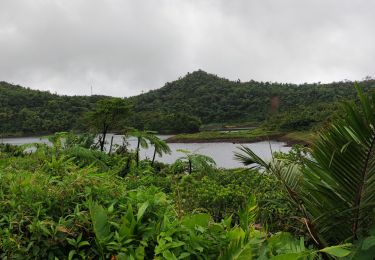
(110, 147)
(137, 158)
(102, 140)
(126, 168)
(153, 157)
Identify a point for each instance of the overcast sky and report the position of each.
(122, 47)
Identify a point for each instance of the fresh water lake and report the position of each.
(222, 153)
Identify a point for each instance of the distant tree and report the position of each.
(142, 138)
(193, 161)
(108, 115)
(160, 146)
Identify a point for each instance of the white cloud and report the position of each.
(123, 47)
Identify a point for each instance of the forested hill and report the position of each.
(27, 111)
(218, 100)
(182, 105)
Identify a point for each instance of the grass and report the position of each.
(254, 135)
(229, 126)
(307, 137)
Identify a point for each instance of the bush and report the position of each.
(222, 192)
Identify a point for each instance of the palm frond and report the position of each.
(339, 180)
(249, 158)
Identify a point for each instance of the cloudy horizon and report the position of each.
(124, 48)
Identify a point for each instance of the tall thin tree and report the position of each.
(108, 115)
(160, 146)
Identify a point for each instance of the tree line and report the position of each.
(184, 105)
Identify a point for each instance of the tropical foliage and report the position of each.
(333, 188)
(108, 115)
(182, 106)
(69, 200)
(56, 206)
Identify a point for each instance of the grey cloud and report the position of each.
(123, 47)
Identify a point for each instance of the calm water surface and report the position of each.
(222, 153)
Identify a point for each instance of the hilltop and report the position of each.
(215, 100)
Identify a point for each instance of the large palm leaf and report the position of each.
(339, 181)
(336, 190)
(290, 177)
(289, 174)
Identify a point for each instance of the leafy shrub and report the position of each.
(222, 192)
(69, 203)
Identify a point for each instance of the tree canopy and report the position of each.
(109, 114)
(184, 105)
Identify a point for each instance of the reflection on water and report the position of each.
(222, 153)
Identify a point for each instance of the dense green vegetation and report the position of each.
(247, 136)
(70, 200)
(333, 190)
(257, 134)
(108, 115)
(217, 100)
(26, 111)
(182, 106)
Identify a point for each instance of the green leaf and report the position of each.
(176, 244)
(184, 255)
(141, 210)
(196, 220)
(140, 253)
(83, 243)
(100, 222)
(249, 158)
(200, 229)
(227, 221)
(339, 251)
(111, 208)
(71, 241)
(71, 254)
(168, 255)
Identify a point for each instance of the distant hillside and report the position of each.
(182, 105)
(26, 111)
(217, 100)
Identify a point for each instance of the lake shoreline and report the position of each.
(220, 152)
(282, 137)
(289, 138)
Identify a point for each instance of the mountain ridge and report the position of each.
(182, 105)
(219, 100)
